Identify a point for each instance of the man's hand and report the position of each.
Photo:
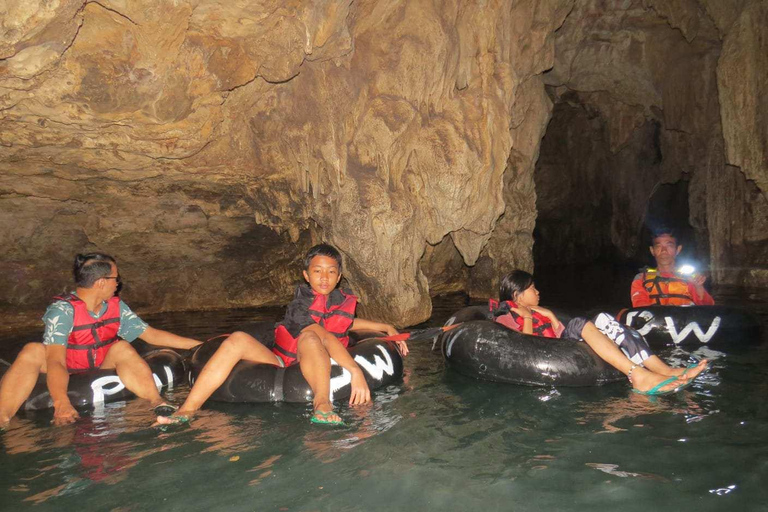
(360, 392)
(698, 282)
(402, 346)
(64, 414)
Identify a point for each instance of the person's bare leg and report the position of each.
(237, 347)
(19, 380)
(360, 393)
(642, 379)
(133, 371)
(315, 364)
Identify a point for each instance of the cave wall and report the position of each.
(206, 144)
(657, 88)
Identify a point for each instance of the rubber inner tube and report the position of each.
(486, 350)
(87, 389)
(694, 326)
(250, 382)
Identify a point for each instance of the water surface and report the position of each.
(438, 441)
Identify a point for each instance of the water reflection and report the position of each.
(98, 448)
(361, 423)
(613, 470)
(611, 411)
(227, 435)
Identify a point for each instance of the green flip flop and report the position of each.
(656, 390)
(164, 409)
(323, 418)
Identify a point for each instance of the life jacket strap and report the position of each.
(96, 325)
(286, 353)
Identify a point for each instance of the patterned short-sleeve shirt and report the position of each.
(60, 316)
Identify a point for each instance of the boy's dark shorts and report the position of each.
(574, 327)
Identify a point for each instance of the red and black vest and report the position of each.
(667, 290)
(542, 326)
(89, 341)
(336, 319)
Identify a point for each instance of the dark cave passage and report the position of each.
(597, 205)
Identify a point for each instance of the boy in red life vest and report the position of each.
(314, 331)
(85, 330)
(662, 286)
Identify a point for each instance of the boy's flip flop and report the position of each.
(323, 418)
(656, 390)
(164, 409)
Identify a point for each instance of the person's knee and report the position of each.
(308, 341)
(121, 352)
(123, 348)
(32, 353)
(238, 341)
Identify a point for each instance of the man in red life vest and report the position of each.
(86, 329)
(663, 285)
(314, 331)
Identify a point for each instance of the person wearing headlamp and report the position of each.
(667, 285)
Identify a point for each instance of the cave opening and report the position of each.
(597, 202)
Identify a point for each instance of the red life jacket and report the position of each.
(89, 341)
(337, 320)
(668, 290)
(540, 323)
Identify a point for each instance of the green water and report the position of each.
(438, 441)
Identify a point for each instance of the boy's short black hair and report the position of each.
(664, 230)
(323, 250)
(89, 268)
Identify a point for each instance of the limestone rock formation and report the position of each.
(743, 79)
(206, 144)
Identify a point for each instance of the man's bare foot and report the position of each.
(178, 418)
(644, 380)
(324, 415)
